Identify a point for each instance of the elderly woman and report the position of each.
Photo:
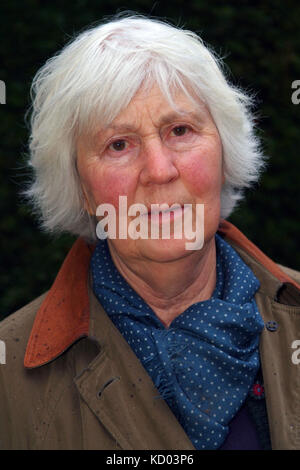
(146, 342)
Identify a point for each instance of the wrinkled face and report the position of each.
(153, 154)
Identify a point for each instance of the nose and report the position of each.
(158, 164)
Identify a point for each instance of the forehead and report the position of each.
(154, 105)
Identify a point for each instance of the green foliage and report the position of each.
(260, 43)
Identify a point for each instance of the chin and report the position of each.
(163, 251)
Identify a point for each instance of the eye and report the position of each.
(178, 131)
(181, 136)
(118, 145)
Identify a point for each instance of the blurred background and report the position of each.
(260, 44)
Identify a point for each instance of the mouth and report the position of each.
(164, 208)
(159, 212)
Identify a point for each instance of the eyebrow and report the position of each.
(165, 119)
(174, 115)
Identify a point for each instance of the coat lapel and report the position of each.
(122, 396)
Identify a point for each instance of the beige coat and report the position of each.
(80, 386)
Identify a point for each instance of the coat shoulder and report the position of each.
(295, 275)
(19, 398)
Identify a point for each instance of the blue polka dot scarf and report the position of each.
(204, 364)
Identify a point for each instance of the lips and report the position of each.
(161, 210)
(164, 215)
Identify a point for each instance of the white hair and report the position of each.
(95, 77)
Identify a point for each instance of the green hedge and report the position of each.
(260, 43)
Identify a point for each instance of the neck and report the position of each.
(170, 288)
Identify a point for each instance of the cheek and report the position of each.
(107, 185)
(202, 173)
